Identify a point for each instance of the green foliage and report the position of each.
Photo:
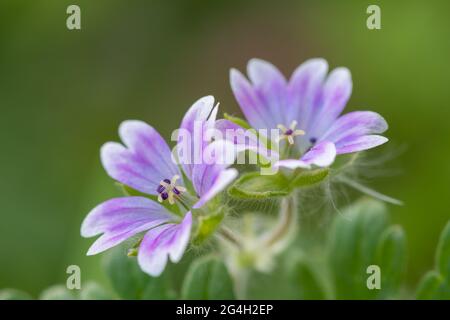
(295, 276)
(443, 252)
(207, 278)
(89, 291)
(14, 294)
(93, 291)
(429, 286)
(129, 282)
(360, 237)
(436, 283)
(207, 224)
(57, 292)
(253, 185)
(306, 282)
(391, 257)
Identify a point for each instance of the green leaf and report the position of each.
(57, 292)
(159, 288)
(391, 257)
(253, 185)
(129, 281)
(436, 284)
(306, 282)
(429, 286)
(207, 224)
(236, 120)
(358, 240)
(93, 291)
(443, 252)
(207, 278)
(309, 177)
(14, 294)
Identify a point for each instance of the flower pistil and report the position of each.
(290, 133)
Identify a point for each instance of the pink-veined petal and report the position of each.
(121, 218)
(143, 162)
(164, 242)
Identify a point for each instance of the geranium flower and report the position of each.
(145, 163)
(307, 111)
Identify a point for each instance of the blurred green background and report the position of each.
(63, 94)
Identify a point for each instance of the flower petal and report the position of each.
(121, 218)
(144, 163)
(218, 156)
(200, 117)
(221, 181)
(360, 143)
(254, 110)
(321, 155)
(270, 86)
(304, 90)
(335, 93)
(355, 124)
(244, 139)
(163, 242)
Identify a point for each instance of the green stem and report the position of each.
(287, 219)
(230, 236)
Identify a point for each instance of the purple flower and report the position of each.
(144, 162)
(307, 111)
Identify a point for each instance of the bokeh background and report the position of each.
(63, 94)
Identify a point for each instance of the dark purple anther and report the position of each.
(176, 191)
(313, 140)
(160, 189)
(289, 132)
(164, 195)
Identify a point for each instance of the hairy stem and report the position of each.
(230, 236)
(287, 219)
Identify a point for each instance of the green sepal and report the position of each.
(253, 185)
(306, 178)
(207, 224)
(236, 120)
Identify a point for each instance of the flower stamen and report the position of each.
(290, 133)
(169, 190)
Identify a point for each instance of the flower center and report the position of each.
(168, 189)
(290, 133)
